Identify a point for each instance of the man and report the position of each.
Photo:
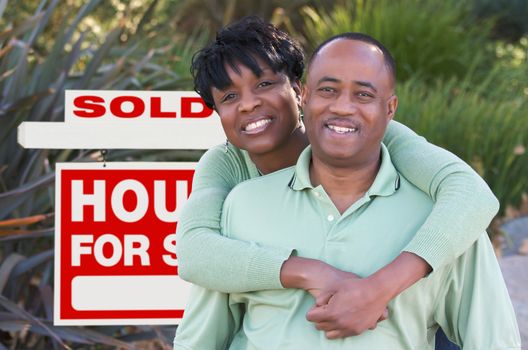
(344, 203)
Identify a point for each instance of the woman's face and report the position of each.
(258, 114)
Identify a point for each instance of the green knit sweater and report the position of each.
(463, 208)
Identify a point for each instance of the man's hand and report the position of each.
(356, 305)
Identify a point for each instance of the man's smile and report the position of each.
(341, 126)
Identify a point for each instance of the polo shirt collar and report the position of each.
(301, 176)
(387, 180)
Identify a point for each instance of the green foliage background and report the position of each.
(463, 84)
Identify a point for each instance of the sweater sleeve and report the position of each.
(207, 258)
(473, 306)
(463, 203)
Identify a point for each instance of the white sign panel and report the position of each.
(97, 119)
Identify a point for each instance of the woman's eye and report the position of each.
(264, 84)
(228, 97)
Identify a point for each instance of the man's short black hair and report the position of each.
(240, 43)
(389, 60)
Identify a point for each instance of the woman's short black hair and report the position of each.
(240, 43)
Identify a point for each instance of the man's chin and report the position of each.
(338, 158)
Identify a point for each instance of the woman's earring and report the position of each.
(226, 145)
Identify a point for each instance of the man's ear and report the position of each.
(392, 105)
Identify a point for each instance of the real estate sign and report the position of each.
(115, 242)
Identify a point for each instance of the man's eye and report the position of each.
(365, 94)
(326, 90)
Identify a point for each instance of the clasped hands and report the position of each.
(345, 304)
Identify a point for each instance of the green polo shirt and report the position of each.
(467, 298)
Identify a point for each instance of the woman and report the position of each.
(251, 76)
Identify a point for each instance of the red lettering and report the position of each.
(155, 109)
(89, 106)
(186, 108)
(117, 104)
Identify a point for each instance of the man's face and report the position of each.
(348, 101)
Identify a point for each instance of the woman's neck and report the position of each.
(282, 156)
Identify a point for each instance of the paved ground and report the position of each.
(515, 270)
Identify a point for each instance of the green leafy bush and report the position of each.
(510, 17)
(428, 38)
(485, 125)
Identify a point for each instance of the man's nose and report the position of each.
(248, 102)
(343, 105)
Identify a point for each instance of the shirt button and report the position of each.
(317, 194)
(330, 217)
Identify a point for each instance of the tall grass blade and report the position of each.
(100, 54)
(21, 28)
(7, 267)
(3, 4)
(17, 310)
(31, 262)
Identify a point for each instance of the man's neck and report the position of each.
(344, 185)
(284, 156)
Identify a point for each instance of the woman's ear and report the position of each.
(304, 93)
(297, 87)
